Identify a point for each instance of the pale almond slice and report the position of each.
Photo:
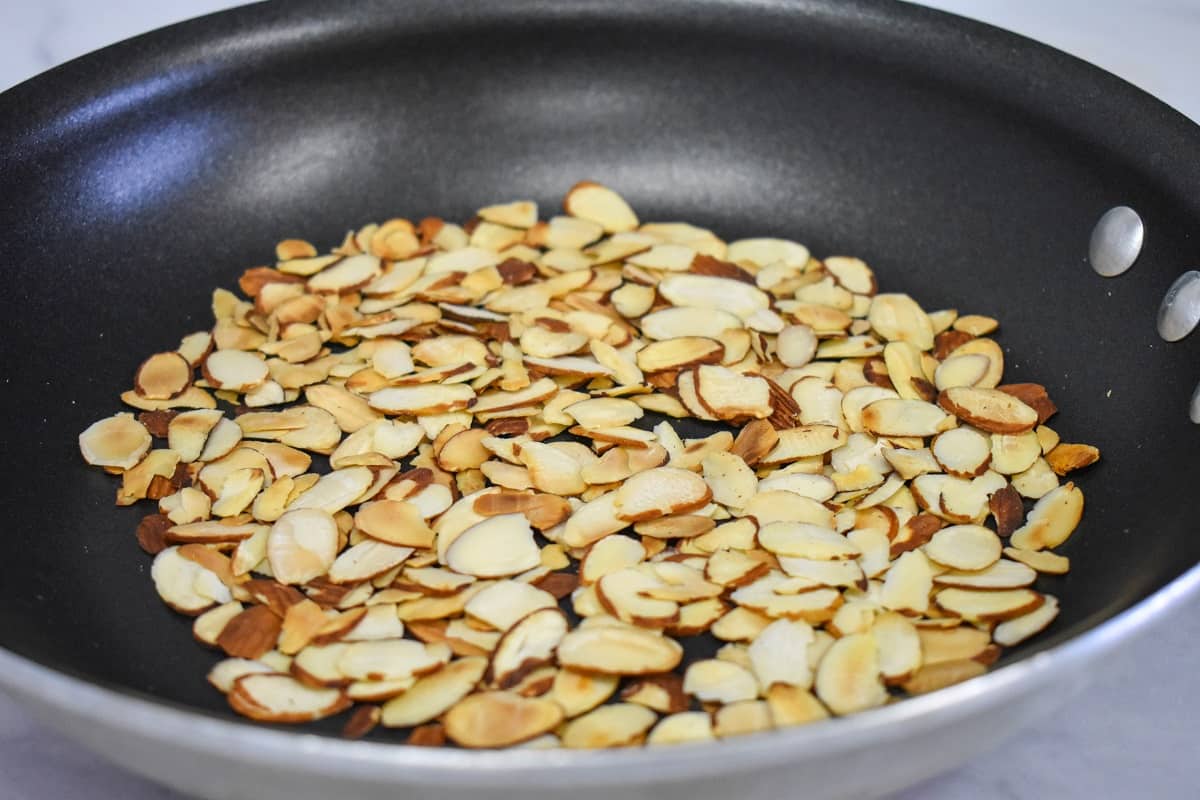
(580, 692)
(346, 276)
(413, 400)
(225, 673)
(740, 625)
(625, 594)
(395, 522)
(897, 646)
(527, 645)
(849, 347)
(857, 399)
(1037, 481)
(163, 376)
(968, 369)
(897, 317)
(1016, 630)
(235, 370)
(1004, 574)
(988, 606)
(741, 718)
(517, 214)
(965, 547)
(302, 545)
(433, 694)
(805, 540)
(610, 554)
(713, 680)
(975, 324)
(675, 323)
(573, 366)
(845, 573)
(781, 506)
(723, 294)
(119, 441)
(619, 650)
(599, 204)
(804, 441)
(1052, 521)
(953, 644)
(496, 547)
(317, 665)
(336, 490)
(791, 705)
(685, 727)
(392, 358)
(899, 417)
(632, 300)
(908, 583)
(660, 492)
(848, 677)
(615, 725)
(503, 603)
(185, 585)
(680, 352)
(195, 346)
(604, 412)
(207, 627)
(962, 452)
(779, 655)
(1040, 560)
(391, 659)
(728, 395)
(192, 397)
(732, 482)
(989, 409)
(1014, 453)
(280, 698)
(366, 560)
(500, 719)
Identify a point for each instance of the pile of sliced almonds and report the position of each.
(852, 526)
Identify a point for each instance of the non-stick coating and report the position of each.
(966, 165)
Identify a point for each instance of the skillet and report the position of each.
(965, 164)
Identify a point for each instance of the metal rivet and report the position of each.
(1116, 241)
(1195, 409)
(1179, 313)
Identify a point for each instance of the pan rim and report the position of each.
(61, 690)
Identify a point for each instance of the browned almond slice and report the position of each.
(619, 650)
(525, 646)
(579, 692)
(989, 409)
(208, 626)
(899, 417)
(302, 545)
(962, 452)
(713, 680)
(391, 659)
(279, 698)
(988, 606)
(413, 400)
(616, 725)
(500, 719)
(779, 655)
(301, 622)
(396, 522)
(1018, 629)
(848, 677)
(1040, 560)
(163, 376)
(1066, 458)
(932, 677)
(433, 694)
(119, 441)
(805, 540)
(660, 492)
(250, 634)
(1033, 395)
(496, 547)
(964, 547)
(1052, 520)
(908, 584)
(662, 693)
(755, 441)
(682, 728)
(235, 370)
(792, 705)
(186, 586)
(600, 204)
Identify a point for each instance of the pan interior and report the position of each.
(144, 176)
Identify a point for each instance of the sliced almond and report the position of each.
(432, 695)
(119, 442)
(619, 651)
(1040, 560)
(848, 677)
(528, 644)
(964, 547)
(1052, 520)
(616, 725)
(1016, 630)
(988, 606)
(500, 719)
(302, 545)
(683, 728)
(898, 417)
(660, 492)
(279, 698)
(988, 409)
(496, 547)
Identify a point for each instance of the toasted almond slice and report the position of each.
(805, 540)
(616, 725)
(682, 728)
(713, 680)
(792, 705)
(898, 647)
(302, 545)
(580, 692)
(962, 452)
(279, 698)
(1014, 631)
(432, 695)
(163, 376)
(989, 409)
(413, 400)
(1040, 560)
(848, 677)
(1066, 458)
(742, 717)
(391, 659)
(336, 490)
(683, 351)
(932, 677)
(517, 214)
(395, 522)
(779, 655)
(899, 417)
(610, 554)
(965, 547)
(604, 412)
(625, 595)
(952, 644)
(500, 719)
(600, 204)
(207, 627)
(619, 650)
(988, 606)
(185, 585)
(235, 370)
(968, 369)
(1052, 520)
(251, 633)
(755, 441)
(908, 584)
(528, 644)
(660, 492)
(119, 441)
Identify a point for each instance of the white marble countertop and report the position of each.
(1128, 735)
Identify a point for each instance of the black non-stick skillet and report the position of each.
(966, 165)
